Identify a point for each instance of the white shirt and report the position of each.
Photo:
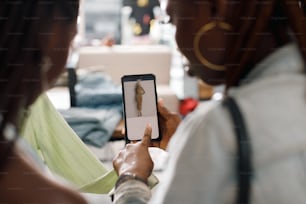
(201, 167)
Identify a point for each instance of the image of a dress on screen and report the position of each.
(139, 92)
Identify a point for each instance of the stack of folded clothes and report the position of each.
(98, 110)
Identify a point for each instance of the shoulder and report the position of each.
(201, 155)
(210, 122)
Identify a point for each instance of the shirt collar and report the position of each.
(286, 59)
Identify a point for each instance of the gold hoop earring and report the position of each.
(196, 43)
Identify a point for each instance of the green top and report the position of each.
(63, 151)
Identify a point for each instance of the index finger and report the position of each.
(164, 112)
(147, 135)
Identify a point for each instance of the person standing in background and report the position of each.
(142, 12)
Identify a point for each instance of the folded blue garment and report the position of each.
(98, 109)
(96, 90)
(93, 126)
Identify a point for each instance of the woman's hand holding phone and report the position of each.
(169, 121)
(141, 107)
(135, 159)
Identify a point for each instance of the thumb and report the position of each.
(146, 140)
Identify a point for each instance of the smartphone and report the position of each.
(140, 106)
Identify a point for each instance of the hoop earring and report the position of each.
(196, 43)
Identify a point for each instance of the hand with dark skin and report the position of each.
(135, 158)
(169, 121)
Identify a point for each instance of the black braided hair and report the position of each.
(21, 21)
(240, 56)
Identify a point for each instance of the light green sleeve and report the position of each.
(63, 151)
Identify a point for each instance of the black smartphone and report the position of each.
(140, 106)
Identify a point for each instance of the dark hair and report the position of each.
(250, 19)
(21, 21)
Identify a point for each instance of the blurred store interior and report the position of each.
(124, 31)
(116, 38)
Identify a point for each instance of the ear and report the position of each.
(225, 9)
(44, 38)
(221, 7)
(214, 9)
(50, 41)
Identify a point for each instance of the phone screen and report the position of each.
(140, 106)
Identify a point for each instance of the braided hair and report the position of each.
(21, 22)
(249, 22)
